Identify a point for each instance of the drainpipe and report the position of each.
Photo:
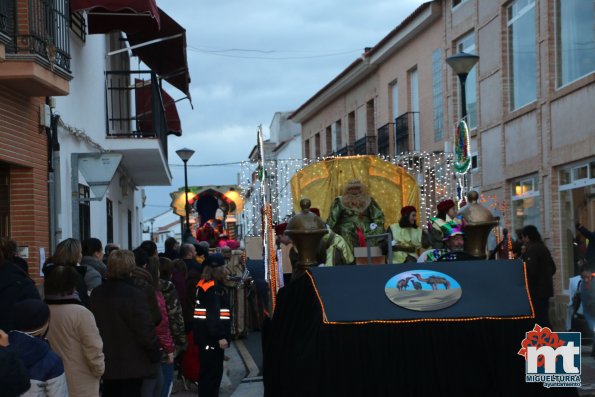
(53, 173)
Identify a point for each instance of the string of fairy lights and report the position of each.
(433, 173)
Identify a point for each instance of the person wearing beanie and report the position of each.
(405, 240)
(211, 324)
(447, 212)
(45, 368)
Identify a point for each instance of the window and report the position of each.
(577, 205)
(526, 203)
(575, 39)
(360, 119)
(457, 2)
(467, 44)
(109, 210)
(329, 140)
(437, 93)
(129, 230)
(337, 138)
(4, 200)
(317, 145)
(474, 162)
(414, 98)
(394, 93)
(522, 53)
(84, 212)
(370, 117)
(351, 127)
(307, 149)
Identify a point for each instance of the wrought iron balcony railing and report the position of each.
(7, 22)
(404, 127)
(47, 34)
(365, 145)
(134, 106)
(383, 142)
(344, 151)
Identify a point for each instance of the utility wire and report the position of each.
(220, 53)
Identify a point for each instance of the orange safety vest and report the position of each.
(200, 312)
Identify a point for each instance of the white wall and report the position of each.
(83, 112)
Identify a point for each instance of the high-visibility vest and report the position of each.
(200, 311)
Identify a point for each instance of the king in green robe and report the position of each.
(354, 210)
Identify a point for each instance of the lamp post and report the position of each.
(185, 155)
(462, 63)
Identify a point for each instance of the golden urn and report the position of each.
(305, 231)
(478, 223)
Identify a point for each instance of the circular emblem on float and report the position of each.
(423, 290)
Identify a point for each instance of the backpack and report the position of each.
(191, 360)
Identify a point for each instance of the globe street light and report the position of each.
(462, 63)
(185, 155)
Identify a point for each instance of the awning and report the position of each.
(104, 16)
(164, 51)
(144, 109)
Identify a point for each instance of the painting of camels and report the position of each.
(423, 290)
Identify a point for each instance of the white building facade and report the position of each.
(111, 108)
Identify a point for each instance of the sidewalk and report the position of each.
(233, 372)
(587, 372)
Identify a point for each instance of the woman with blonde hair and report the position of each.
(126, 327)
(69, 252)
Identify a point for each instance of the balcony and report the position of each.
(365, 145)
(137, 124)
(344, 151)
(383, 142)
(36, 59)
(404, 128)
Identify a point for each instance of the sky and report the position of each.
(251, 58)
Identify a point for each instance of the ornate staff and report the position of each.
(268, 238)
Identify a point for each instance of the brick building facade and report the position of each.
(529, 104)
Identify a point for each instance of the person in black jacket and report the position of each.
(211, 325)
(15, 286)
(126, 327)
(540, 270)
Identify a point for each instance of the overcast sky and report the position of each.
(251, 58)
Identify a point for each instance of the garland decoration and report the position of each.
(462, 160)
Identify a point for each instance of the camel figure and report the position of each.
(416, 285)
(434, 281)
(402, 283)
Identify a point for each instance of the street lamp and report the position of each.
(185, 155)
(462, 63)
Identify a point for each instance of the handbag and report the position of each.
(191, 360)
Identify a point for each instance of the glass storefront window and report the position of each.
(577, 205)
(526, 203)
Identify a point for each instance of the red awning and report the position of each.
(105, 16)
(129, 7)
(144, 109)
(164, 51)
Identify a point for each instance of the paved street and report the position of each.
(241, 374)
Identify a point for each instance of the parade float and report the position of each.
(212, 211)
(364, 330)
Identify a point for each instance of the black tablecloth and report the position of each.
(305, 357)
